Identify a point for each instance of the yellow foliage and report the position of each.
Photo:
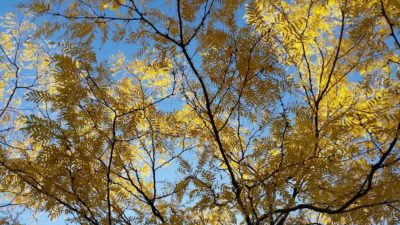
(201, 112)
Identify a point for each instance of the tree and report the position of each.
(227, 112)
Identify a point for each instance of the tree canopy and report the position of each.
(202, 111)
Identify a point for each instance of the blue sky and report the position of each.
(7, 5)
